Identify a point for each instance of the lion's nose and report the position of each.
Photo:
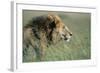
(70, 34)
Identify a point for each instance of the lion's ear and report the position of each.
(50, 18)
(54, 20)
(51, 21)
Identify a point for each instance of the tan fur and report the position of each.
(43, 30)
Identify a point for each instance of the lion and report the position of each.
(44, 30)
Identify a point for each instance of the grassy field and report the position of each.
(79, 46)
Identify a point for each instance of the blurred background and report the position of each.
(79, 46)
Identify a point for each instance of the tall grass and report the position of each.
(79, 46)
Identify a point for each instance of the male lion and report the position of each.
(44, 30)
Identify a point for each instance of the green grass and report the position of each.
(79, 46)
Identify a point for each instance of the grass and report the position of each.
(79, 46)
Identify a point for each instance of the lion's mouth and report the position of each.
(67, 40)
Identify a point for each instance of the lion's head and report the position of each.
(52, 27)
(57, 29)
(45, 30)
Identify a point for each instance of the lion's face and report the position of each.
(44, 30)
(64, 32)
(60, 31)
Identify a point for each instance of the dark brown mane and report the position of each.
(44, 30)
